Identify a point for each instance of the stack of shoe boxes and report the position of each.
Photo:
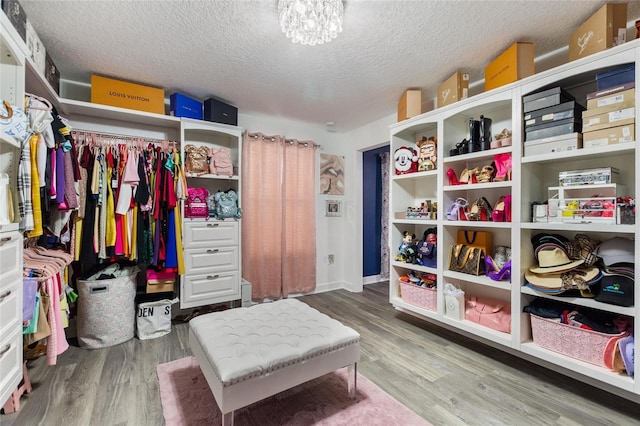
(552, 120)
(610, 115)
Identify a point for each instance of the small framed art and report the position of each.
(333, 208)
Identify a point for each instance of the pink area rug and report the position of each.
(187, 400)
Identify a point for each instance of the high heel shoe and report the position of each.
(507, 208)
(486, 174)
(480, 210)
(492, 271)
(453, 179)
(458, 210)
(461, 147)
(469, 176)
(497, 215)
(503, 164)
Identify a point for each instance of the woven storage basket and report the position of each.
(423, 297)
(575, 342)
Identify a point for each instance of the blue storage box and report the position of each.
(184, 106)
(618, 76)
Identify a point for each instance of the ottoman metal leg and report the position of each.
(352, 373)
(227, 419)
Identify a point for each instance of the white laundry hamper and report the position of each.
(107, 308)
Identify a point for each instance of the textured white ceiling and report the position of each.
(234, 50)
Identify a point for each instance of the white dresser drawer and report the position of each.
(11, 306)
(205, 289)
(210, 233)
(10, 257)
(202, 261)
(10, 362)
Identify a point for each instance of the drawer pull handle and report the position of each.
(212, 225)
(5, 295)
(5, 240)
(213, 251)
(213, 277)
(5, 350)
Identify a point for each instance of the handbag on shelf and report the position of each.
(14, 122)
(196, 160)
(490, 313)
(466, 259)
(196, 203)
(480, 239)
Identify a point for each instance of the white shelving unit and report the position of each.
(12, 82)
(532, 176)
(212, 247)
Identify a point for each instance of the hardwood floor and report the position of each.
(446, 378)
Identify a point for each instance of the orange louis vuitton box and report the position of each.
(118, 93)
(512, 65)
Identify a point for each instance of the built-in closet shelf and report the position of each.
(416, 175)
(479, 331)
(415, 267)
(217, 177)
(425, 222)
(402, 305)
(533, 176)
(107, 112)
(579, 227)
(583, 301)
(603, 152)
(477, 186)
(583, 368)
(480, 279)
(477, 224)
(476, 155)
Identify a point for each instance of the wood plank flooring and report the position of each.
(446, 378)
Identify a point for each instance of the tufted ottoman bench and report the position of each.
(248, 354)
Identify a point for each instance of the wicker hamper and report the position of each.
(423, 297)
(107, 309)
(575, 342)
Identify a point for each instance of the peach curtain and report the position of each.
(278, 222)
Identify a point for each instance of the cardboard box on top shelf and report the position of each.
(118, 93)
(604, 29)
(410, 104)
(513, 64)
(609, 136)
(453, 89)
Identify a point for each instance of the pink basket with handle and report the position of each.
(575, 342)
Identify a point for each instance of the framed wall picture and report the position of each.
(333, 208)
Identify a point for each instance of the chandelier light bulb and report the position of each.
(310, 21)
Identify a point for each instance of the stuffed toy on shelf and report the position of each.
(406, 160)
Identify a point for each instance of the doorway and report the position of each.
(372, 200)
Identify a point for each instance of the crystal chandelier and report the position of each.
(310, 21)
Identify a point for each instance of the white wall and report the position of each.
(369, 136)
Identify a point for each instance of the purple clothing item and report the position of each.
(30, 287)
(59, 175)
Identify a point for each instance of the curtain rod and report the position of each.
(125, 137)
(289, 141)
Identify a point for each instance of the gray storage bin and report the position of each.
(106, 308)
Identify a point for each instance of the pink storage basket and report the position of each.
(578, 343)
(423, 297)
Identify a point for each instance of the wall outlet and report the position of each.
(330, 259)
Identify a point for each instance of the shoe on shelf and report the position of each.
(486, 174)
(495, 273)
(480, 210)
(503, 138)
(507, 208)
(469, 176)
(453, 178)
(503, 163)
(497, 215)
(461, 147)
(458, 210)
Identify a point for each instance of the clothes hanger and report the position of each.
(49, 107)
